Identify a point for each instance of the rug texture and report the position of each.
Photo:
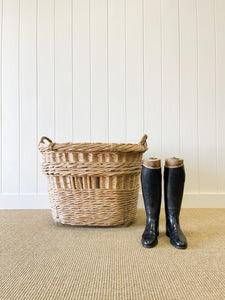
(41, 261)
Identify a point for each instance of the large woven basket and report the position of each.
(94, 184)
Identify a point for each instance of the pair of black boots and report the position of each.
(151, 179)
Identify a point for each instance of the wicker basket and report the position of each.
(94, 184)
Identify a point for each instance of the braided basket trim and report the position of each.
(92, 147)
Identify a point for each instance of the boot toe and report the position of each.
(149, 241)
(177, 238)
(179, 243)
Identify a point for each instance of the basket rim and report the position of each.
(93, 147)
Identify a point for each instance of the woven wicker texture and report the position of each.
(94, 184)
(40, 261)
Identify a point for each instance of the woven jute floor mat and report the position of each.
(41, 261)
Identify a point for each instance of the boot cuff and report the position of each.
(174, 162)
(152, 163)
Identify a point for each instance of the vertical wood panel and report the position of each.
(99, 65)
(153, 76)
(116, 75)
(28, 139)
(109, 70)
(134, 70)
(206, 96)
(170, 77)
(10, 97)
(1, 17)
(188, 93)
(81, 71)
(220, 90)
(45, 60)
(63, 71)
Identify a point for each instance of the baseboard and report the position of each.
(41, 201)
(24, 201)
(196, 201)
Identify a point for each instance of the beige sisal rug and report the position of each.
(41, 261)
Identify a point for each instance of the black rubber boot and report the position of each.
(174, 178)
(151, 180)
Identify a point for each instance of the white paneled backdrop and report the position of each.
(112, 70)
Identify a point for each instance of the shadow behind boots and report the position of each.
(174, 178)
(151, 179)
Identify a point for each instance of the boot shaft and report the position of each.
(151, 181)
(174, 179)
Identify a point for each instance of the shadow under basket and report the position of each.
(93, 184)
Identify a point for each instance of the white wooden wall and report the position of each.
(111, 70)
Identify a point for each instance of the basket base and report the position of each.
(95, 224)
(78, 207)
(58, 224)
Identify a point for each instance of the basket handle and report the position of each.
(51, 144)
(143, 140)
(45, 138)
